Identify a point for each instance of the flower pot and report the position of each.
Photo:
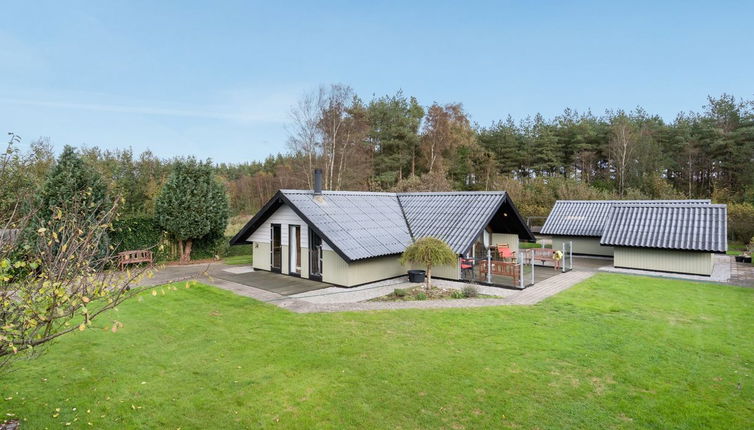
(739, 258)
(416, 276)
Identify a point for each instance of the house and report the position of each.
(582, 223)
(667, 237)
(349, 238)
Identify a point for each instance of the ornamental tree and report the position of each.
(192, 205)
(428, 252)
(57, 282)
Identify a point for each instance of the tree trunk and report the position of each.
(187, 251)
(180, 250)
(428, 279)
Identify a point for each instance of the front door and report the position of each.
(294, 249)
(276, 248)
(315, 256)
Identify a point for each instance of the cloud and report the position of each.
(242, 115)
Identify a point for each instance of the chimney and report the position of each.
(317, 182)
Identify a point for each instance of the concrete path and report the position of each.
(548, 288)
(212, 274)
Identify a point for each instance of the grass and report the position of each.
(527, 245)
(613, 352)
(238, 259)
(736, 248)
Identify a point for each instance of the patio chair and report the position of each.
(467, 268)
(504, 252)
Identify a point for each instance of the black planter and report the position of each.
(416, 276)
(747, 260)
(739, 258)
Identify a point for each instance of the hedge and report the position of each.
(144, 233)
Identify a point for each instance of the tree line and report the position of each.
(394, 143)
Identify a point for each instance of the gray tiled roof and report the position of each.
(588, 217)
(455, 217)
(359, 224)
(693, 227)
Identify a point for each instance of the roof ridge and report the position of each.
(634, 201)
(690, 205)
(451, 193)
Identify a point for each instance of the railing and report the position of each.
(483, 269)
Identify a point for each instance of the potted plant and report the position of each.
(428, 252)
(749, 251)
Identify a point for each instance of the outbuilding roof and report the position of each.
(691, 227)
(588, 217)
(359, 225)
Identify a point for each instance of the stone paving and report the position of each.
(313, 302)
(724, 271)
(741, 274)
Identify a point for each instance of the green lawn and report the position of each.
(238, 259)
(736, 248)
(528, 245)
(613, 352)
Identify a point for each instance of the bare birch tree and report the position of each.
(622, 144)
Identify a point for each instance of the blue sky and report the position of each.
(217, 79)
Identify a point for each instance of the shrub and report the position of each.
(400, 292)
(740, 221)
(456, 295)
(470, 291)
(138, 233)
(421, 296)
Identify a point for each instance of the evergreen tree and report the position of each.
(72, 180)
(394, 133)
(192, 205)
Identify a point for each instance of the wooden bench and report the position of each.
(501, 268)
(134, 257)
(540, 254)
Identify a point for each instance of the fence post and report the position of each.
(570, 253)
(531, 261)
(562, 267)
(489, 266)
(521, 275)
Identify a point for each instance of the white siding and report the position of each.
(261, 252)
(510, 239)
(583, 245)
(283, 216)
(664, 260)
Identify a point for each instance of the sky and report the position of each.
(218, 79)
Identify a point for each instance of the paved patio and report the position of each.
(305, 296)
(272, 282)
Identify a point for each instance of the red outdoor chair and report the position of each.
(467, 266)
(503, 251)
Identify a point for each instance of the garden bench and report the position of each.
(134, 257)
(541, 254)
